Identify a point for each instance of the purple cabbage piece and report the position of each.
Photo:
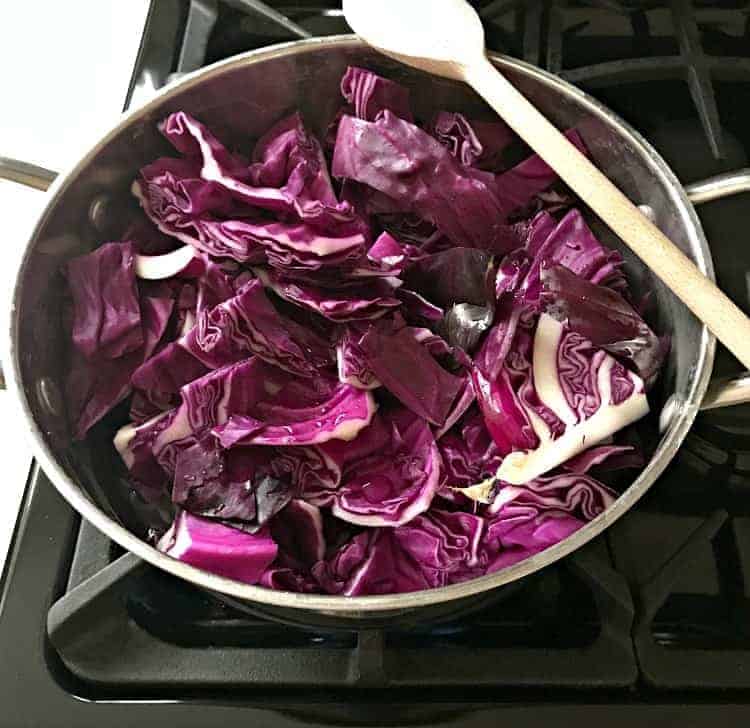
(473, 143)
(331, 461)
(397, 483)
(160, 378)
(133, 443)
(569, 243)
(386, 256)
(469, 455)
(219, 549)
(372, 562)
(604, 317)
(518, 186)
(363, 300)
(252, 402)
(408, 370)
(369, 94)
(106, 311)
(234, 329)
(311, 474)
(418, 310)
(95, 386)
(290, 177)
(351, 360)
(457, 275)
(524, 531)
(446, 545)
(284, 574)
(282, 470)
(199, 213)
(526, 520)
(340, 416)
(606, 458)
(405, 163)
(298, 530)
(209, 401)
(234, 486)
(203, 486)
(518, 285)
(215, 286)
(583, 396)
(576, 493)
(464, 399)
(146, 238)
(406, 226)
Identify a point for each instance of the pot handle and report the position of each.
(723, 391)
(26, 174)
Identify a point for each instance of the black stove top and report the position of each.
(649, 623)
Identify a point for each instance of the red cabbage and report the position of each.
(473, 143)
(525, 520)
(298, 530)
(469, 454)
(217, 548)
(95, 386)
(373, 562)
(340, 416)
(555, 395)
(519, 185)
(446, 545)
(352, 361)
(409, 371)
(133, 443)
(330, 461)
(290, 176)
(106, 312)
(304, 359)
(234, 329)
(456, 275)
(369, 94)
(240, 487)
(197, 212)
(395, 484)
(605, 457)
(603, 317)
(362, 300)
(405, 163)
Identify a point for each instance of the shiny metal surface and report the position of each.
(240, 98)
(727, 391)
(723, 185)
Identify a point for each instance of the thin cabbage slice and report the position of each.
(586, 389)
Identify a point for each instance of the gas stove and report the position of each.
(650, 622)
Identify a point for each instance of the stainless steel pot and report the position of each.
(240, 98)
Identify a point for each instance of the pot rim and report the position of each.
(365, 605)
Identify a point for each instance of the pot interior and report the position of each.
(239, 100)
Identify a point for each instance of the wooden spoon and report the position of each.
(445, 37)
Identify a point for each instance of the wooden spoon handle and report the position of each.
(698, 293)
